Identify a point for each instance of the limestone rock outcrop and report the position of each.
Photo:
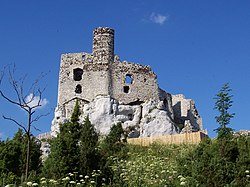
(151, 118)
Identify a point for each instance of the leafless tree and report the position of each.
(28, 100)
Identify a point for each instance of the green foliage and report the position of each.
(113, 143)
(218, 162)
(13, 158)
(154, 165)
(76, 113)
(89, 154)
(223, 104)
(224, 162)
(75, 149)
(64, 156)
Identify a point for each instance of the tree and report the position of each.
(217, 162)
(13, 159)
(64, 156)
(89, 155)
(112, 144)
(223, 104)
(29, 101)
(74, 149)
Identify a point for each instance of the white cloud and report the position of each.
(158, 18)
(33, 101)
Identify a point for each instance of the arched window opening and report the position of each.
(78, 89)
(129, 79)
(77, 74)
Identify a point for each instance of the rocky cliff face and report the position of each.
(151, 118)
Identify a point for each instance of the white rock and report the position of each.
(157, 123)
(101, 114)
(58, 119)
(148, 119)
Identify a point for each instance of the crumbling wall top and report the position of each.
(103, 30)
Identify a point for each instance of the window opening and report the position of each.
(130, 117)
(125, 89)
(78, 74)
(128, 79)
(78, 89)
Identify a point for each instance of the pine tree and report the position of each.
(223, 104)
(89, 155)
(64, 156)
(112, 143)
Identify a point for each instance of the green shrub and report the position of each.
(218, 162)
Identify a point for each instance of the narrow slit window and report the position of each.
(78, 74)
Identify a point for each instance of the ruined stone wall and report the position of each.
(180, 106)
(100, 74)
(80, 78)
(167, 101)
(105, 79)
(140, 86)
(184, 109)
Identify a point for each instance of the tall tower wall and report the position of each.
(103, 45)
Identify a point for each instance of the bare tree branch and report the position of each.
(22, 79)
(1, 76)
(11, 101)
(17, 123)
(36, 128)
(40, 116)
(14, 83)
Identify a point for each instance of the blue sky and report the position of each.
(193, 46)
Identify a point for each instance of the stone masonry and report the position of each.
(112, 91)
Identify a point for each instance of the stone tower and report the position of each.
(103, 45)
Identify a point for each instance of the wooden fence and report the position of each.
(187, 138)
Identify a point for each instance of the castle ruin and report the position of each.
(111, 91)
